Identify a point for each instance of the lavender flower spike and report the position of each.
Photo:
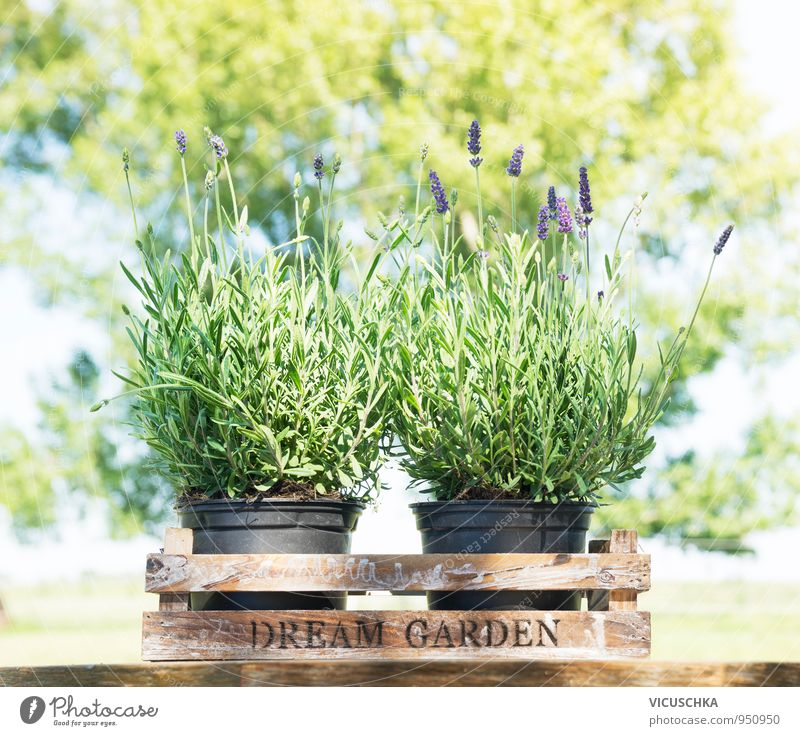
(515, 164)
(439, 195)
(562, 276)
(319, 164)
(543, 225)
(551, 202)
(723, 239)
(180, 141)
(474, 144)
(220, 149)
(580, 221)
(564, 216)
(584, 195)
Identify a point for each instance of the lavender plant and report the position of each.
(259, 376)
(513, 377)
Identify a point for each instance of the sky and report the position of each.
(40, 340)
(766, 30)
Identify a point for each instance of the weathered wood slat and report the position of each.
(597, 600)
(253, 635)
(176, 542)
(623, 541)
(425, 672)
(183, 573)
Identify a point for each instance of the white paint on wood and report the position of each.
(182, 573)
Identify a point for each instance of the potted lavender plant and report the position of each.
(260, 383)
(518, 384)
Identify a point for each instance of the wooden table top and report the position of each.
(419, 672)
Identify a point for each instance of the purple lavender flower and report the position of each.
(600, 295)
(584, 195)
(439, 195)
(564, 216)
(318, 167)
(580, 221)
(543, 225)
(551, 202)
(515, 164)
(474, 143)
(562, 276)
(180, 141)
(220, 149)
(723, 239)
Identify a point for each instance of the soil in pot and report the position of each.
(270, 527)
(472, 527)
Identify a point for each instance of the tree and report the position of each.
(74, 456)
(646, 95)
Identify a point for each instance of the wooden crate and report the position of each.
(611, 576)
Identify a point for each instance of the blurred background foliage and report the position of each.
(646, 94)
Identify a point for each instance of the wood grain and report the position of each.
(231, 635)
(183, 573)
(420, 672)
(177, 542)
(623, 541)
(597, 600)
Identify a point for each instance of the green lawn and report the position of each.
(98, 621)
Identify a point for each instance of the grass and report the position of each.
(98, 621)
(725, 621)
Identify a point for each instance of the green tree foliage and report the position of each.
(755, 489)
(629, 88)
(647, 95)
(74, 457)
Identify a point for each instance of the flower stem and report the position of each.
(419, 188)
(133, 206)
(222, 247)
(480, 206)
(297, 215)
(588, 285)
(188, 203)
(676, 349)
(205, 227)
(513, 205)
(328, 212)
(322, 215)
(239, 241)
(700, 300)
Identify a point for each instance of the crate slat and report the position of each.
(623, 541)
(264, 635)
(184, 573)
(176, 541)
(613, 574)
(597, 600)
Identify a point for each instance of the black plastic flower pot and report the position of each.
(270, 527)
(472, 527)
